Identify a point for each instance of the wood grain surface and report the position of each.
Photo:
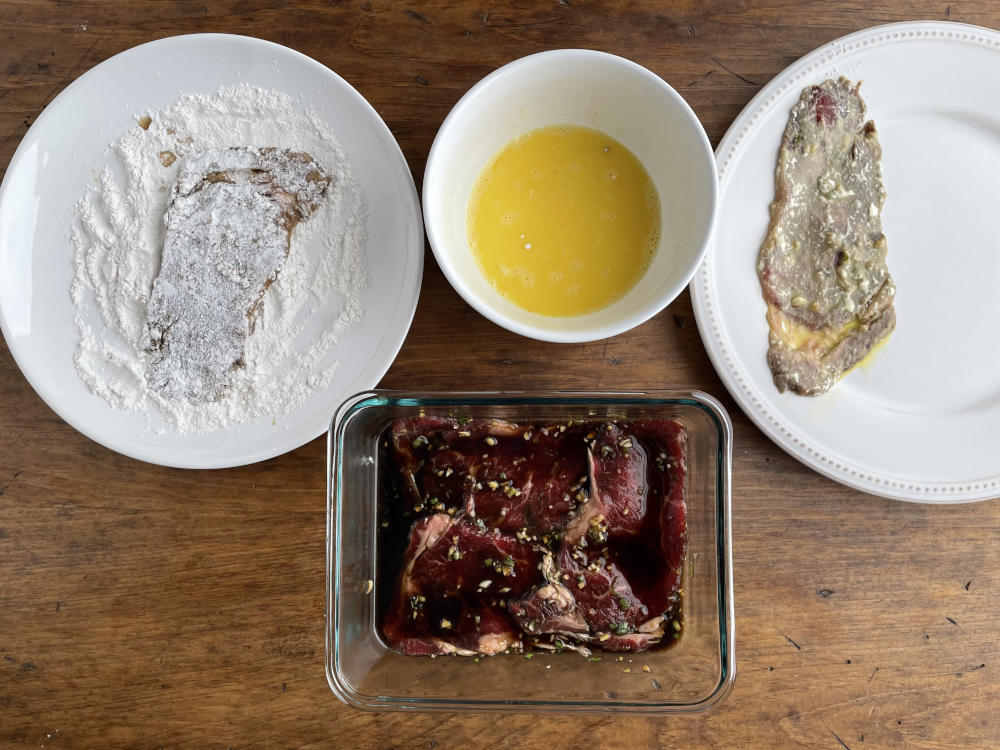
(148, 607)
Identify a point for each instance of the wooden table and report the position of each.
(149, 607)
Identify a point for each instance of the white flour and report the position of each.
(118, 238)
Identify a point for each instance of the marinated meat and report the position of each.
(602, 592)
(666, 443)
(550, 607)
(516, 479)
(617, 503)
(452, 591)
(228, 229)
(493, 570)
(822, 266)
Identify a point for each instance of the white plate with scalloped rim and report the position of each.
(920, 420)
(68, 143)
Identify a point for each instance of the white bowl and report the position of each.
(597, 90)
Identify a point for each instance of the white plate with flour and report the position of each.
(81, 229)
(918, 421)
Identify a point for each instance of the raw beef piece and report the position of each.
(602, 592)
(618, 488)
(516, 479)
(586, 599)
(666, 444)
(452, 591)
(411, 445)
(550, 607)
(822, 265)
(530, 484)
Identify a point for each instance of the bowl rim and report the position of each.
(724, 551)
(641, 314)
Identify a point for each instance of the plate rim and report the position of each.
(246, 457)
(794, 441)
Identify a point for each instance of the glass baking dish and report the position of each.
(694, 674)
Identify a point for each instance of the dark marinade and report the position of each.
(505, 537)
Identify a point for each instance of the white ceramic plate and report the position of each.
(921, 420)
(68, 144)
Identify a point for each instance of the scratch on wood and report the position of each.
(951, 621)
(872, 675)
(970, 669)
(842, 743)
(417, 16)
(421, 80)
(967, 584)
(733, 72)
(789, 639)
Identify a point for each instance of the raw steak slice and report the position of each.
(822, 265)
(228, 228)
(517, 479)
(411, 445)
(453, 589)
(586, 599)
(602, 592)
(616, 506)
(666, 445)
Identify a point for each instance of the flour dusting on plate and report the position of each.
(118, 237)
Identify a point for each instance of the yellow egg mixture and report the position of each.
(564, 221)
